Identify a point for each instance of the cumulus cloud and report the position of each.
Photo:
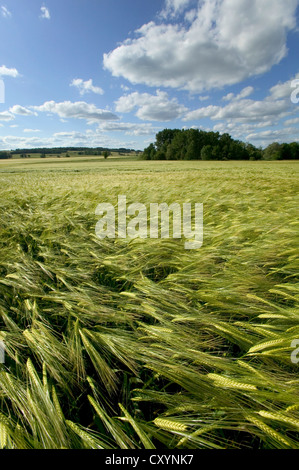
(45, 13)
(151, 107)
(30, 131)
(129, 128)
(246, 110)
(240, 130)
(124, 87)
(6, 116)
(290, 122)
(243, 94)
(5, 71)
(244, 118)
(86, 86)
(77, 110)
(91, 138)
(203, 98)
(71, 135)
(66, 139)
(226, 42)
(283, 90)
(12, 141)
(5, 12)
(174, 7)
(17, 109)
(275, 106)
(279, 135)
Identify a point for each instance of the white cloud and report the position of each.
(283, 90)
(124, 87)
(290, 122)
(77, 110)
(31, 130)
(200, 113)
(203, 98)
(227, 42)
(70, 135)
(5, 12)
(90, 138)
(6, 116)
(243, 110)
(243, 117)
(277, 105)
(228, 97)
(45, 13)
(86, 86)
(5, 71)
(65, 139)
(151, 107)
(174, 7)
(240, 130)
(191, 15)
(281, 135)
(129, 128)
(243, 94)
(17, 109)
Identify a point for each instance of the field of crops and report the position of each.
(133, 344)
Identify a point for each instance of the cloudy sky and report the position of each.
(115, 72)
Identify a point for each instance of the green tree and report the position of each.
(176, 149)
(273, 152)
(206, 152)
(294, 148)
(193, 144)
(106, 154)
(149, 152)
(5, 155)
(253, 152)
(164, 138)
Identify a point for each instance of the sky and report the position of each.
(113, 73)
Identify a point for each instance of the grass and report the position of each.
(129, 344)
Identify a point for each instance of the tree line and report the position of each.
(54, 151)
(195, 144)
(5, 155)
(79, 150)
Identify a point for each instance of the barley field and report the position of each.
(141, 344)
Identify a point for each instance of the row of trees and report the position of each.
(194, 144)
(79, 150)
(65, 151)
(5, 155)
(277, 151)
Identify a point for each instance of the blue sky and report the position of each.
(113, 73)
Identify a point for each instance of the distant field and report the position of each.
(141, 343)
(74, 155)
(115, 162)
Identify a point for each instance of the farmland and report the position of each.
(133, 344)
